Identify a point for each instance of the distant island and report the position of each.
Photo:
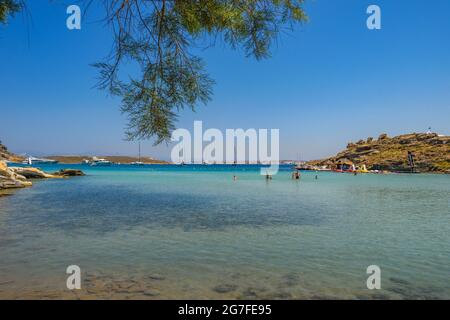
(430, 153)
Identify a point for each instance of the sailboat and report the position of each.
(138, 163)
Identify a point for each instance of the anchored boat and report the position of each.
(34, 160)
(100, 162)
(139, 162)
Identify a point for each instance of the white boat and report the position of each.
(34, 160)
(100, 162)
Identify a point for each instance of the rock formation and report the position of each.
(68, 173)
(32, 173)
(10, 179)
(17, 177)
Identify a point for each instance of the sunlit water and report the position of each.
(193, 232)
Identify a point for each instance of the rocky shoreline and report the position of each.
(20, 177)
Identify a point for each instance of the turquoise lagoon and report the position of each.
(175, 232)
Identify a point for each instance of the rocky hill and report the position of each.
(6, 155)
(431, 153)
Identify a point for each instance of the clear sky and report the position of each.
(329, 82)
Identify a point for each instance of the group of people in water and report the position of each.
(295, 176)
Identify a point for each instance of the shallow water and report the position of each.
(156, 232)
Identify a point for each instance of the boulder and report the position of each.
(363, 148)
(3, 168)
(10, 183)
(9, 179)
(69, 173)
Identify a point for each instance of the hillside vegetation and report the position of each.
(431, 153)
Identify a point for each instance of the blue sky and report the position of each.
(329, 82)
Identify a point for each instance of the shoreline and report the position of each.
(164, 163)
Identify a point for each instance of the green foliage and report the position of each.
(8, 8)
(158, 35)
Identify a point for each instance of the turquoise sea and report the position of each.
(161, 231)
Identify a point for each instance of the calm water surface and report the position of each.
(193, 232)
